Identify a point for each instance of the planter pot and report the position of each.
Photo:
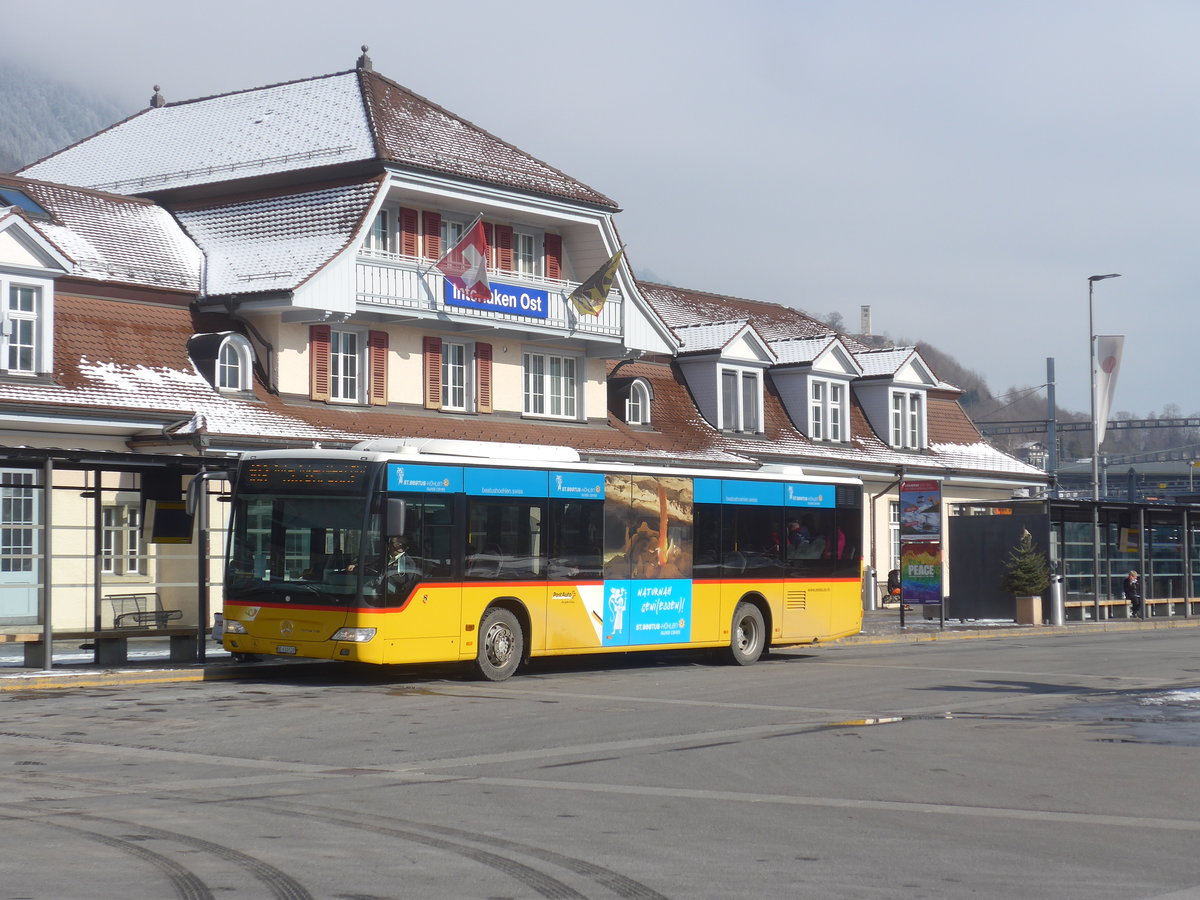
(1029, 610)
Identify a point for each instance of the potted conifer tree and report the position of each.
(1026, 575)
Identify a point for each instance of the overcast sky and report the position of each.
(960, 167)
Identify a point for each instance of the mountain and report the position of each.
(42, 114)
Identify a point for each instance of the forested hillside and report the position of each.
(41, 114)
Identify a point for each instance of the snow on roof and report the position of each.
(414, 131)
(345, 117)
(275, 243)
(883, 362)
(680, 307)
(281, 128)
(114, 238)
(801, 350)
(707, 335)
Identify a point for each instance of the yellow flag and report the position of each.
(589, 297)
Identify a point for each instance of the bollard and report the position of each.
(870, 590)
(1057, 615)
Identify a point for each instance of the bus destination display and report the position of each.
(316, 476)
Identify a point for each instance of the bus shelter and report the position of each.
(1160, 541)
(99, 547)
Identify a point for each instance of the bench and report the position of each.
(132, 616)
(1086, 606)
(140, 610)
(111, 644)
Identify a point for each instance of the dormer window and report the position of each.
(908, 419)
(19, 329)
(741, 400)
(637, 404)
(234, 364)
(827, 410)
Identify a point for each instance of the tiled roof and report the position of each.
(281, 128)
(703, 336)
(884, 362)
(347, 117)
(276, 242)
(112, 238)
(803, 350)
(413, 131)
(680, 307)
(955, 444)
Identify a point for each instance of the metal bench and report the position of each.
(140, 610)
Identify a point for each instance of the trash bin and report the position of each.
(870, 590)
(1057, 611)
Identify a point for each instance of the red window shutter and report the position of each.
(432, 223)
(318, 355)
(483, 378)
(408, 232)
(489, 235)
(377, 348)
(553, 247)
(504, 247)
(433, 372)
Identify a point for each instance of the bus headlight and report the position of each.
(233, 626)
(355, 635)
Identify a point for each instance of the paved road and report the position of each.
(1038, 767)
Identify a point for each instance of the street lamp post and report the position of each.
(1092, 279)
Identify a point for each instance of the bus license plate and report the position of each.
(286, 651)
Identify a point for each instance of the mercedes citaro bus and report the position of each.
(433, 551)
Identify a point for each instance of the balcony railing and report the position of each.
(388, 281)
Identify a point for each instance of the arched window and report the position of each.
(637, 405)
(234, 364)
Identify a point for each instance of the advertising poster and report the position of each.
(920, 510)
(921, 572)
(647, 559)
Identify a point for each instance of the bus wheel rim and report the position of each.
(499, 644)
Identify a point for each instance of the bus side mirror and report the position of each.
(395, 516)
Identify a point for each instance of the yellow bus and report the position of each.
(436, 551)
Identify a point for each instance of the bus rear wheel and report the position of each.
(747, 635)
(501, 644)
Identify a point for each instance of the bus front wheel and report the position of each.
(747, 638)
(501, 644)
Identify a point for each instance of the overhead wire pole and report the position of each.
(1092, 279)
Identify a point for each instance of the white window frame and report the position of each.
(22, 329)
(19, 513)
(234, 364)
(381, 236)
(452, 231)
(525, 256)
(828, 410)
(739, 399)
(458, 376)
(893, 534)
(121, 539)
(347, 368)
(907, 417)
(551, 385)
(637, 404)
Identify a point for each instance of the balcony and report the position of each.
(387, 281)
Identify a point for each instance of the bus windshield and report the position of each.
(286, 547)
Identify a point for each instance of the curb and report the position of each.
(38, 680)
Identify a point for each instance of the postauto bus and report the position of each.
(506, 558)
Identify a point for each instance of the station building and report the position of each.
(257, 269)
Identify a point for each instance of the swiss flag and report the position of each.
(465, 264)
